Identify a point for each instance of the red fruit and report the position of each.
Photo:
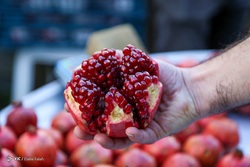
(163, 148)
(181, 160)
(91, 154)
(206, 148)
(57, 136)
(109, 93)
(72, 142)
(192, 129)
(63, 122)
(224, 129)
(7, 138)
(135, 158)
(204, 121)
(104, 165)
(61, 158)
(244, 109)
(20, 118)
(7, 158)
(234, 159)
(188, 63)
(38, 147)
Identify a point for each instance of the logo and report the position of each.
(8, 158)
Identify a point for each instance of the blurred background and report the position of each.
(31, 28)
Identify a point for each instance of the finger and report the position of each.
(112, 143)
(82, 135)
(142, 136)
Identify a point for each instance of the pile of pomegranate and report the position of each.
(209, 142)
(108, 104)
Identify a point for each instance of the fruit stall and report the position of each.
(213, 141)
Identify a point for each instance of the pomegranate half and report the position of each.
(111, 91)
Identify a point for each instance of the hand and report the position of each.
(176, 111)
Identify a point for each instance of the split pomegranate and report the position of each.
(135, 158)
(181, 160)
(206, 148)
(110, 92)
(7, 138)
(226, 130)
(163, 148)
(20, 118)
(7, 158)
(91, 154)
(235, 158)
(37, 147)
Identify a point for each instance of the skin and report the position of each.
(190, 94)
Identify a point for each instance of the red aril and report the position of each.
(91, 154)
(235, 158)
(109, 92)
(135, 157)
(163, 148)
(63, 122)
(225, 130)
(7, 138)
(7, 158)
(206, 148)
(181, 160)
(36, 144)
(20, 118)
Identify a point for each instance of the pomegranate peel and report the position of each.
(110, 92)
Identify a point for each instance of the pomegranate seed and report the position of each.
(128, 109)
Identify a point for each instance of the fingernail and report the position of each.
(130, 135)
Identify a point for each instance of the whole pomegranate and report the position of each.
(72, 142)
(110, 92)
(204, 121)
(206, 148)
(226, 130)
(61, 158)
(20, 118)
(244, 109)
(163, 148)
(7, 158)
(37, 148)
(57, 136)
(192, 129)
(135, 157)
(63, 122)
(91, 154)
(188, 63)
(234, 159)
(181, 160)
(7, 138)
